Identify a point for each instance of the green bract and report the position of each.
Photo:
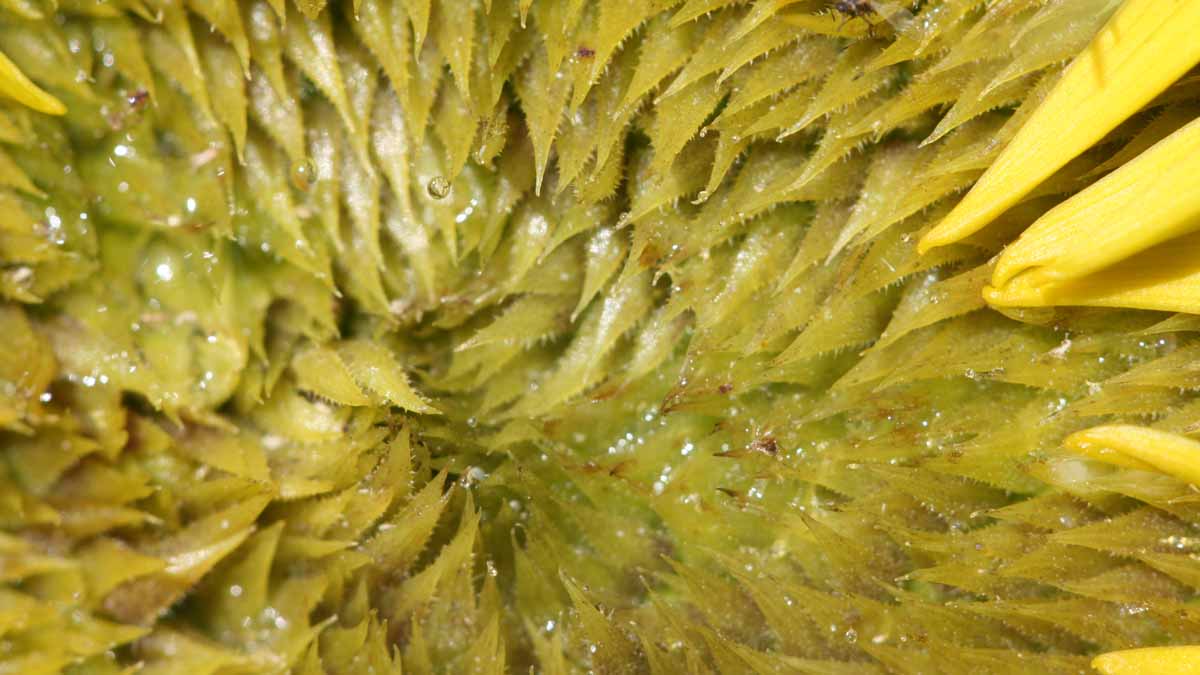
(476, 336)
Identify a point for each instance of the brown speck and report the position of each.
(585, 52)
(650, 256)
(137, 100)
(618, 470)
(725, 388)
(765, 444)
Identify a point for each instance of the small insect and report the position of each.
(899, 17)
(854, 8)
(585, 52)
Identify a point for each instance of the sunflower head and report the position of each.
(624, 337)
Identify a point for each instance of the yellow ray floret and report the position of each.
(1147, 45)
(1159, 660)
(1140, 448)
(15, 85)
(1150, 200)
(1165, 277)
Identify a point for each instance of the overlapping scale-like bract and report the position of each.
(482, 336)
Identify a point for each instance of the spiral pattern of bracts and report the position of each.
(482, 335)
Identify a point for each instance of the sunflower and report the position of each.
(626, 336)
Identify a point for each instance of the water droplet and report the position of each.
(304, 175)
(19, 276)
(438, 187)
(474, 475)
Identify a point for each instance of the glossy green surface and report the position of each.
(474, 336)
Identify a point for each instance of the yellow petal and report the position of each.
(1158, 660)
(15, 85)
(1147, 45)
(1153, 198)
(1165, 277)
(1140, 448)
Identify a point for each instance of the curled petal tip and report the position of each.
(15, 85)
(1162, 660)
(1149, 200)
(1140, 448)
(1017, 294)
(1146, 46)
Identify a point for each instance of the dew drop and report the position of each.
(164, 272)
(304, 175)
(438, 187)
